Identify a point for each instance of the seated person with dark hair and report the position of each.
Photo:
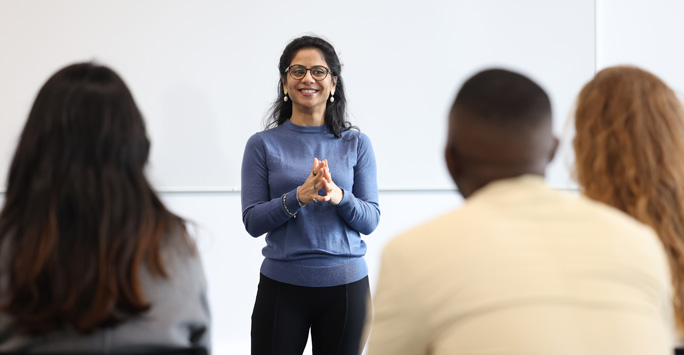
(91, 261)
(520, 268)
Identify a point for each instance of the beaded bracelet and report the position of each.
(298, 200)
(287, 210)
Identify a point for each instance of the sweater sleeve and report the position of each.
(260, 213)
(359, 207)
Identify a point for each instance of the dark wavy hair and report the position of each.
(335, 112)
(80, 218)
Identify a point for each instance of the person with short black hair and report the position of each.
(520, 268)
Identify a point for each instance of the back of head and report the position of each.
(79, 214)
(500, 126)
(630, 135)
(84, 116)
(629, 147)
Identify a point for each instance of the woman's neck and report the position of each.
(307, 118)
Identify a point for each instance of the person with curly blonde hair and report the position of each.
(629, 150)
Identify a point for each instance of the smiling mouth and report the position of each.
(308, 91)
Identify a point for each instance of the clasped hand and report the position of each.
(320, 179)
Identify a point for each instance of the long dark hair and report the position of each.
(80, 217)
(335, 112)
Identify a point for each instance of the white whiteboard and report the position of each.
(647, 34)
(204, 73)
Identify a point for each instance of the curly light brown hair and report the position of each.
(629, 151)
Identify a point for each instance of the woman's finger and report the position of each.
(327, 190)
(321, 181)
(326, 186)
(327, 171)
(315, 168)
(320, 167)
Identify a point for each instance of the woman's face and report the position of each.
(307, 93)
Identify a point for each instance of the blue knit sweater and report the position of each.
(322, 246)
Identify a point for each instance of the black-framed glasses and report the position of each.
(298, 72)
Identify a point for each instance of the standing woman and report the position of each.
(91, 261)
(629, 149)
(309, 182)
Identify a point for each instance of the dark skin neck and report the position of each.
(479, 153)
(472, 182)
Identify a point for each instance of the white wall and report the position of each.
(204, 72)
(648, 34)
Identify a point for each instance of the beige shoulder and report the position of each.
(429, 237)
(615, 217)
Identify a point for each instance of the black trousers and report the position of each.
(284, 313)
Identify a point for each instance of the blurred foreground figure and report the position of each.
(520, 268)
(90, 259)
(629, 149)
